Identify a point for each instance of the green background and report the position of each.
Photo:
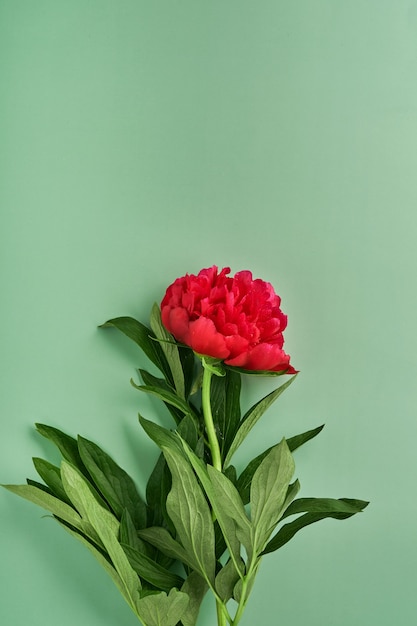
(141, 140)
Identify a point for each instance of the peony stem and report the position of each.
(208, 419)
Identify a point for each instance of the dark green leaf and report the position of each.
(324, 505)
(128, 534)
(67, 445)
(157, 489)
(153, 381)
(161, 436)
(150, 571)
(298, 440)
(142, 336)
(252, 416)
(288, 531)
(52, 477)
(161, 539)
(113, 482)
(166, 396)
(225, 406)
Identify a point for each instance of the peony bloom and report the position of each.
(235, 319)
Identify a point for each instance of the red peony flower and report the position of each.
(235, 319)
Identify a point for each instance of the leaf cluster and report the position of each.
(197, 528)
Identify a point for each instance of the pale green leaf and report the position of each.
(107, 528)
(161, 609)
(195, 587)
(269, 490)
(170, 350)
(190, 514)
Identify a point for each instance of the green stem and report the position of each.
(208, 420)
(221, 617)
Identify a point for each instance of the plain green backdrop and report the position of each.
(141, 140)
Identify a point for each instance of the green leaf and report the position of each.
(104, 562)
(128, 534)
(161, 539)
(166, 396)
(48, 502)
(190, 514)
(269, 491)
(113, 482)
(195, 587)
(298, 440)
(227, 506)
(67, 445)
(151, 571)
(106, 527)
(227, 578)
(170, 350)
(160, 435)
(288, 531)
(252, 416)
(245, 479)
(52, 477)
(324, 505)
(225, 406)
(161, 609)
(157, 489)
(152, 381)
(144, 338)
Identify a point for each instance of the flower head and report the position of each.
(236, 319)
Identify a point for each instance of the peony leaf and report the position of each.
(325, 505)
(227, 578)
(157, 490)
(67, 445)
(166, 396)
(225, 406)
(170, 349)
(190, 514)
(142, 336)
(161, 609)
(250, 418)
(103, 560)
(160, 435)
(268, 492)
(106, 527)
(245, 479)
(128, 534)
(152, 381)
(298, 440)
(161, 539)
(113, 482)
(288, 531)
(46, 501)
(195, 587)
(227, 506)
(150, 571)
(52, 476)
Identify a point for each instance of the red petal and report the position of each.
(205, 339)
